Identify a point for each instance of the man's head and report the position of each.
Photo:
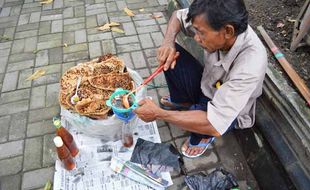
(217, 22)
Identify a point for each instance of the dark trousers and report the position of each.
(184, 86)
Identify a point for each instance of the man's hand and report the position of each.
(147, 110)
(167, 55)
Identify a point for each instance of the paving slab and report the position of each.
(49, 154)
(40, 128)
(37, 178)
(10, 182)
(22, 82)
(37, 99)
(14, 107)
(11, 149)
(32, 154)
(11, 166)
(42, 58)
(18, 126)
(14, 96)
(10, 81)
(4, 128)
(165, 134)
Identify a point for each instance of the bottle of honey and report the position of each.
(64, 154)
(66, 137)
(127, 138)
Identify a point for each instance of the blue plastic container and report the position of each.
(124, 114)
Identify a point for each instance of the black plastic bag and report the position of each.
(148, 153)
(219, 179)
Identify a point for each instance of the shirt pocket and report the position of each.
(217, 74)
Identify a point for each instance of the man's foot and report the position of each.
(167, 104)
(193, 151)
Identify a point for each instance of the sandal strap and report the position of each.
(175, 106)
(201, 144)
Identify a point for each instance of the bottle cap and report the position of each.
(58, 141)
(56, 122)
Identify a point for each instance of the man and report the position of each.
(222, 95)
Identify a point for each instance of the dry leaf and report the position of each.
(108, 26)
(35, 51)
(114, 24)
(280, 25)
(128, 12)
(141, 10)
(48, 185)
(46, 2)
(65, 45)
(104, 27)
(4, 37)
(291, 20)
(118, 30)
(36, 74)
(156, 16)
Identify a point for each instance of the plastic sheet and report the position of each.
(155, 155)
(219, 179)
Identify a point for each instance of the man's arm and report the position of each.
(174, 27)
(194, 121)
(167, 54)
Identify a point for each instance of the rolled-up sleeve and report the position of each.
(233, 95)
(186, 27)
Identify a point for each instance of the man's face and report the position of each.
(207, 37)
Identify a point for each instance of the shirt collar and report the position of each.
(231, 55)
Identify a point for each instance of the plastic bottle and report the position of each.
(127, 138)
(64, 154)
(66, 137)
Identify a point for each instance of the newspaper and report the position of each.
(93, 162)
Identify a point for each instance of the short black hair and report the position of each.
(219, 13)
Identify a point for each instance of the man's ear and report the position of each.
(229, 31)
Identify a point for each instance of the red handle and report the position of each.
(156, 72)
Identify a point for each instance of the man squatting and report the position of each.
(219, 95)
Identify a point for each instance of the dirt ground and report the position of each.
(269, 13)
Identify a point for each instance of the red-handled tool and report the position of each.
(156, 72)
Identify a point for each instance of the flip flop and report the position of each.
(205, 145)
(165, 100)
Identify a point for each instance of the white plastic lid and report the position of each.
(58, 141)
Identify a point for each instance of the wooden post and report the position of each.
(298, 82)
(301, 26)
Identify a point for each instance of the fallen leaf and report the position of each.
(4, 37)
(118, 30)
(48, 185)
(114, 24)
(46, 2)
(108, 26)
(104, 27)
(128, 12)
(291, 20)
(283, 32)
(65, 45)
(156, 16)
(280, 25)
(141, 10)
(35, 51)
(36, 74)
